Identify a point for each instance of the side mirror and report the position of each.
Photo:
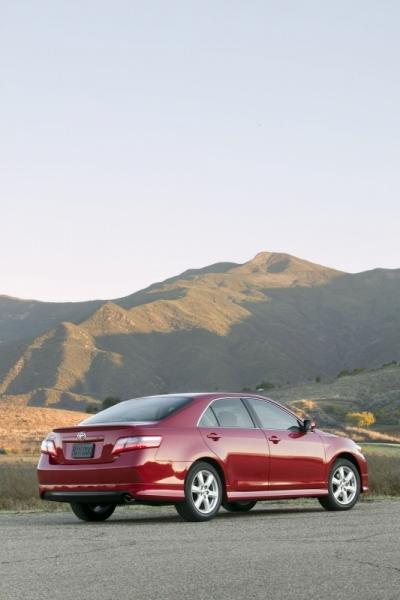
(309, 425)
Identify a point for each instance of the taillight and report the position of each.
(48, 447)
(136, 443)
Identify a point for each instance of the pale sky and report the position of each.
(139, 139)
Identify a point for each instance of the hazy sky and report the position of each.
(138, 139)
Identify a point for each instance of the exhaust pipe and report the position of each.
(127, 498)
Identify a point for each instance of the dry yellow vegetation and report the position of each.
(22, 428)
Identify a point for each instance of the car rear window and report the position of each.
(150, 408)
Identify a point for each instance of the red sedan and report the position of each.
(197, 451)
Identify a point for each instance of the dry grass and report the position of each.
(22, 428)
(359, 434)
(19, 488)
(306, 404)
(384, 474)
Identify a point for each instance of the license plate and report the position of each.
(82, 450)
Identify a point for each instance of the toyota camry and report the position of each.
(197, 452)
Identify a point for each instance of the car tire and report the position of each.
(203, 493)
(344, 486)
(239, 506)
(92, 512)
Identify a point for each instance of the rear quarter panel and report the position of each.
(182, 445)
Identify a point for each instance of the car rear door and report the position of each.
(230, 432)
(297, 457)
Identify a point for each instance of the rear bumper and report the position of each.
(89, 497)
(132, 474)
(119, 493)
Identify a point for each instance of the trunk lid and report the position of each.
(91, 443)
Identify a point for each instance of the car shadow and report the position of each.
(221, 516)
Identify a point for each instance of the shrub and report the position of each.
(307, 404)
(343, 373)
(360, 419)
(265, 385)
(110, 401)
(393, 363)
(346, 372)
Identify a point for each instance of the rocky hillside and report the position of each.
(376, 391)
(275, 317)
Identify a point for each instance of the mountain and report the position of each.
(225, 326)
(24, 319)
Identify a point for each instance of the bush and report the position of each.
(346, 372)
(357, 371)
(393, 363)
(91, 408)
(264, 386)
(360, 419)
(343, 373)
(110, 401)
(307, 404)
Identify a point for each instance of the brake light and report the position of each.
(136, 443)
(48, 447)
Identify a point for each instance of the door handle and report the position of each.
(274, 439)
(213, 436)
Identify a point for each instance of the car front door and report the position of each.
(229, 431)
(297, 457)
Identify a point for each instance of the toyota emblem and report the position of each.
(81, 435)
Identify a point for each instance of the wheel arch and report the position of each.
(350, 457)
(217, 466)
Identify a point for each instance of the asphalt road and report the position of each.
(278, 551)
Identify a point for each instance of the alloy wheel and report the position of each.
(344, 485)
(205, 491)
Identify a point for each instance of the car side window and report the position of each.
(271, 416)
(231, 412)
(208, 419)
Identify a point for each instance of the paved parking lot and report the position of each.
(278, 551)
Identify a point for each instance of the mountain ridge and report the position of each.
(228, 325)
